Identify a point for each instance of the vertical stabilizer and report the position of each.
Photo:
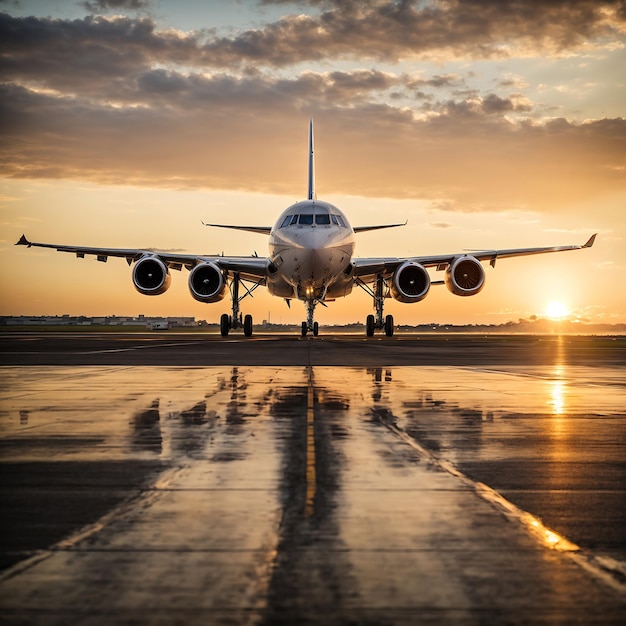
(311, 194)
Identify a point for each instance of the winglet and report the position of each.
(590, 241)
(311, 191)
(23, 242)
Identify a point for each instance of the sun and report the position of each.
(556, 310)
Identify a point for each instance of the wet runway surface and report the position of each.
(185, 349)
(490, 492)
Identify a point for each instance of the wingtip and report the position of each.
(23, 241)
(590, 241)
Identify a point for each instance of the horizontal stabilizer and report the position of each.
(362, 229)
(263, 230)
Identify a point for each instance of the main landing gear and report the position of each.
(236, 319)
(378, 321)
(227, 323)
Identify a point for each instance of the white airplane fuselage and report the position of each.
(310, 252)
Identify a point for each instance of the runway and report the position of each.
(189, 349)
(306, 485)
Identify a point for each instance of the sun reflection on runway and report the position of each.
(557, 400)
(557, 397)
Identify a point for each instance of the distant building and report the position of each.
(152, 323)
(158, 325)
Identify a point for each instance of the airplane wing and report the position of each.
(251, 267)
(369, 268)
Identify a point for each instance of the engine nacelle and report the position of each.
(410, 282)
(151, 276)
(465, 276)
(207, 283)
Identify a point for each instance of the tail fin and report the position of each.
(311, 194)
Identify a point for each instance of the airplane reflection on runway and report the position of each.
(185, 409)
(547, 417)
(313, 447)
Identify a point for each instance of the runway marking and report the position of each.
(311, 477)
(158, 345)
(162, 345)
(145, 498)
(548, 376)
(607, 570)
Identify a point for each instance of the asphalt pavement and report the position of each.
(487, 488)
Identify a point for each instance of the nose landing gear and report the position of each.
(310, 326)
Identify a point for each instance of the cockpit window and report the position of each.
(308, 219)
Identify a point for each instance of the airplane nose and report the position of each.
(316, 238)
(317, 248)
(320, 258)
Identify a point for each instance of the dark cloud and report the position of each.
(105, 5)
(309, 90)
(375, 30)
(114, 59)
(400, 30)
(89, 52)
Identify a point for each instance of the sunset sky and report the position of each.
(484, 123)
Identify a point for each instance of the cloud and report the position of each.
(105, 5)
(66, 52)
(389, 31)
(394, 31)
(105, 99)
(246, 133)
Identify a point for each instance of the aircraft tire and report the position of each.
(389, 326)
(224, 325)
(369, 326)
(316, 329)
(304, 329)
(247, 325)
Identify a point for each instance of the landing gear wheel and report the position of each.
(369, 326)
(247, 325)
(224, 325)
(316, 329)
(304, 329)
(389, 326)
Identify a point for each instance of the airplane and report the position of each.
(311, 258)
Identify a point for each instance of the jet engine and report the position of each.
(410, 282)
(207, 283)
(151, 276)
(465, 276)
